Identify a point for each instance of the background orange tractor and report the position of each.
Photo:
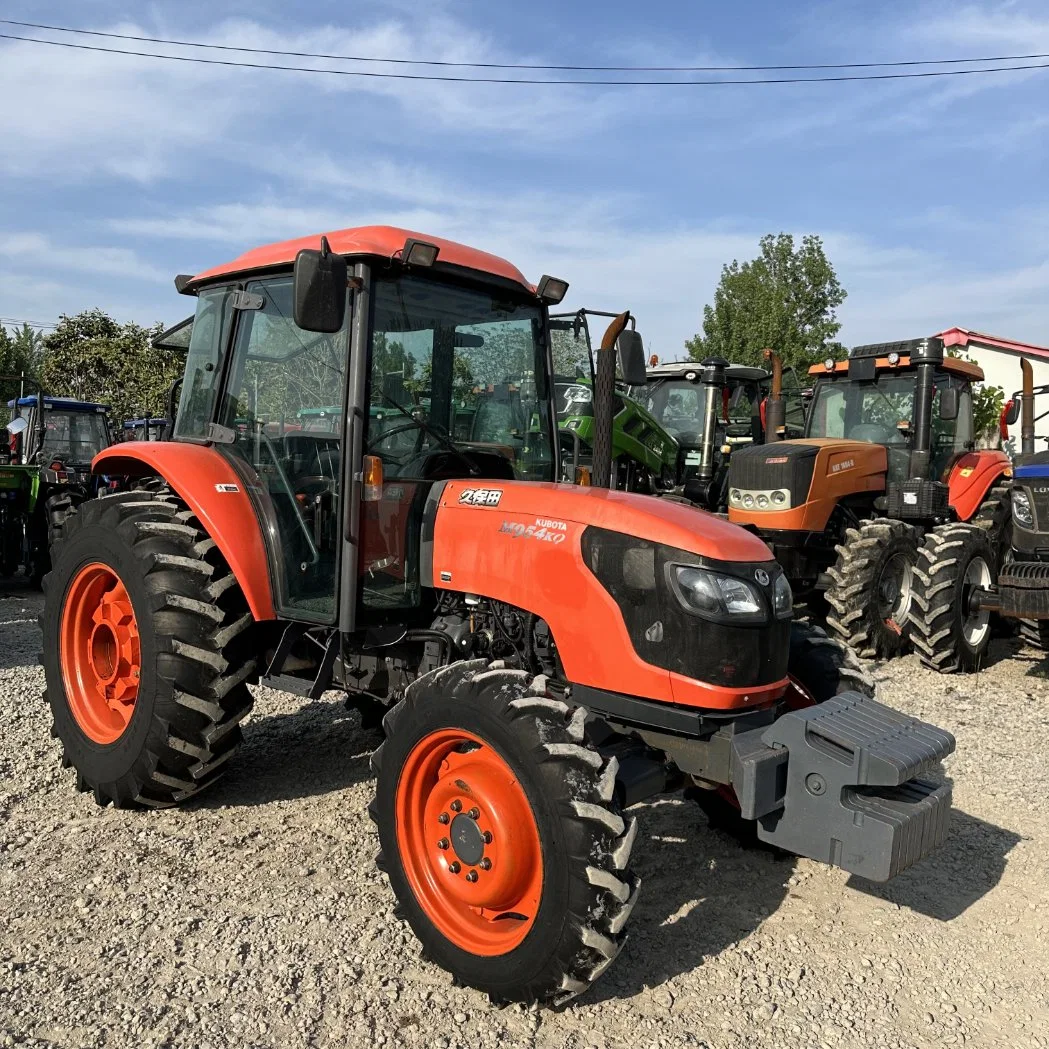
(889, 453)
(545, 655)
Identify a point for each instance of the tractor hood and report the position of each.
(812, 474)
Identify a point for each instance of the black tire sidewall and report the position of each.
(530, 959)
(101, 763)
(885, 640)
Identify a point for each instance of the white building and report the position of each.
(1000, 360)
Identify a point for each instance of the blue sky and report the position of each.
(116, 173)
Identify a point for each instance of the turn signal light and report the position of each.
(582, 476)
(372, 477)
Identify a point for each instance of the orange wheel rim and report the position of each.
(468, 842)
(100, 653)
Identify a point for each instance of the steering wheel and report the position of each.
(875, 434)
(393, 432)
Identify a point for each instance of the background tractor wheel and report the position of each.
(820, 667)
(500, 833)
(872, 586)
(1035, 632)
(147, 650)
(57, 508)
(995, 517)
(953, 561)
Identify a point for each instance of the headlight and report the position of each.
(779, 496)
(748, 500)
(716, 596)
(782, 598)
(1022, 508)
(763, 501)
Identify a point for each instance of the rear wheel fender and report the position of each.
(213, 489)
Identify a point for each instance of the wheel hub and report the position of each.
(100, 653)
(467, 840)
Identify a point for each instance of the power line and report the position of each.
(526, 65)
(518, 80)
(22, 320)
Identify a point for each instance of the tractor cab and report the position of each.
(872, 397)
(645, 455)
(145, 429)
(57, 430)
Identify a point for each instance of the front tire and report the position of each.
(147, 651)
(501, 835)
(872, 587)
(953, 561)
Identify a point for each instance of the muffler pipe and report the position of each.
(1027, 408)
(604, 402)
(775, 406)
(712, 376)
(928, 356)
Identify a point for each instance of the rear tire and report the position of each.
(953, 560)
(57, 509)
(870, 599)
(1035, 632)
(558, 889)
(188, 646)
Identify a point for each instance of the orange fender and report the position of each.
(971, 478)
(214, 491)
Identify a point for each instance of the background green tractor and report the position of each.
(644, 455)
(45, 470)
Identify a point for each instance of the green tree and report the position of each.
(785, 299)
(20, 351)
(94, 358)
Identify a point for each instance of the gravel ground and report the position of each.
(254, 916)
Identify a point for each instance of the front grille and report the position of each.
(663, 634)
(763, 467)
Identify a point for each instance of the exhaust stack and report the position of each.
(928, 356)
(604, 401)
(1027, 408)
(775, 407)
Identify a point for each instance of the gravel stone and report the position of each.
(254, 916)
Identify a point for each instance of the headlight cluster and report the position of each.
(1022, 511)
(769, 499)
(729, 598)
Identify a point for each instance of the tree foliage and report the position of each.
(20, 351)
(94, 358)
(785, 299)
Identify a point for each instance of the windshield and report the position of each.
(678, 405)
(863, 411)
(74, 437)
(456, 367)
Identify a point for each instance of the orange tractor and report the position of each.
(545, 655)
(888, 456)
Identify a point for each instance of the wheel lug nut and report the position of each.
(486, 864)
(487, 837)
(474, 813)
(455, 867)
(443, 843)
(443, 818)
(472, 876)
(456, 806)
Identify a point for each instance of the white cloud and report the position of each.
(30, 250)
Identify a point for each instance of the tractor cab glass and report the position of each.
(457, 389)
(881, 411)
(679, 405)
(74, 438)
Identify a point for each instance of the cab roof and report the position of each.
(680, 369)
(880, 352)
(375, 241)
(61, 404)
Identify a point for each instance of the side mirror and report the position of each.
(631, 350)
(1011, 413)
(320, 289)
(18, 425)
(949, 403)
